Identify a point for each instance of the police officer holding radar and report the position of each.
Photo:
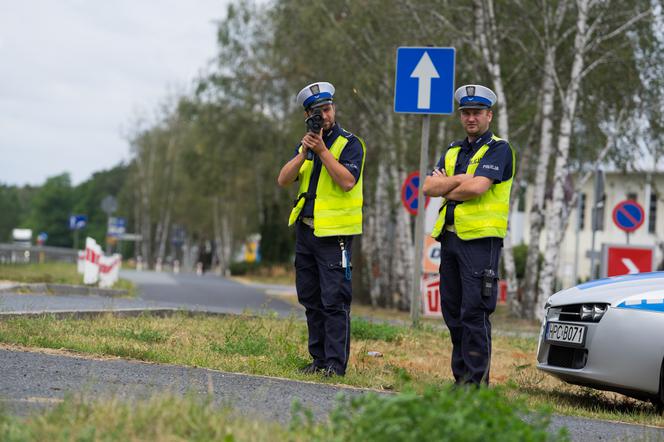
(474, 176)
(328, 163)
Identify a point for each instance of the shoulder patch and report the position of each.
(455, 143)
(500, 142)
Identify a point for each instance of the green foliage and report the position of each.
(377, 331)
(520, 258)
(47, 208)
(88, 196)
(240, 268)
(11, 211)
(50, 209)
(447, 414)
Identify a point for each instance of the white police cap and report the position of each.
(316, 94)
(475, 96)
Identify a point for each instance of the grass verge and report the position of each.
(161, 418)
(53, 273)
(436, 414)
(412, 359)
(49, 272)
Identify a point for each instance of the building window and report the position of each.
(631, 196)
(582, 211)
(652, 214)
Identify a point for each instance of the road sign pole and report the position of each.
(416, 296)
(575, 270)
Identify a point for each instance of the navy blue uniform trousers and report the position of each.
(325, 293)
(465, 308)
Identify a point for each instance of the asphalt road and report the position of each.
(31, 381)
(207, 292)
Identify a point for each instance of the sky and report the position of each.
(75, 75)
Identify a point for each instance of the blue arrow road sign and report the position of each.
(424, 80)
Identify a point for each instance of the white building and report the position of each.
(647, 189)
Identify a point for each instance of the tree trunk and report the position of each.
(485, 17)
(378, 257)
(556, 210)
(402, 248)
(167, 207)
(223, 237)
(539, 189)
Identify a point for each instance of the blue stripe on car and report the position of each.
(617, 279)
(644, 305)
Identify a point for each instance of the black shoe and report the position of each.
(311, 369)
(332, 371)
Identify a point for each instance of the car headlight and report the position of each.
(598, 312)
(592, 312)
(586, 312)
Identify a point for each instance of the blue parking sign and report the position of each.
(77, 222)
(424, 80)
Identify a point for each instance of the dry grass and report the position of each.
(272, 347)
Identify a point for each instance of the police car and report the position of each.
(608, 334)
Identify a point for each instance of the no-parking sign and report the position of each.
(409, 191)
(628, 215)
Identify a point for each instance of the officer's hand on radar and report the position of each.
(314, 141)
(305, 145)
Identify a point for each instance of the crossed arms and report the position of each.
(461, 187)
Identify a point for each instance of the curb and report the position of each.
(64, 289)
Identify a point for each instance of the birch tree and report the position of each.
(592, 28)
(549, 40)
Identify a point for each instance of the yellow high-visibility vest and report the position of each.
(484, 216)
(336, 212)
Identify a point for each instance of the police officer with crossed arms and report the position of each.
(328, 163)
(474, 176)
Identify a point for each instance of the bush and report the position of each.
(447, 414)
(241, 268)
(520, 258)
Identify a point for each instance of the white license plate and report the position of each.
(566, 333)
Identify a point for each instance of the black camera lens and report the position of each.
(314, 122)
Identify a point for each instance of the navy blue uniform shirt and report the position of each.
(351, 159)
(496, 164)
